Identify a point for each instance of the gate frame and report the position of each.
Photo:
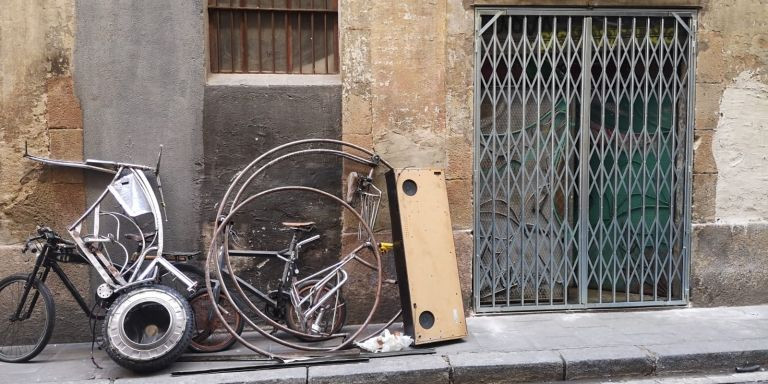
(588, 14)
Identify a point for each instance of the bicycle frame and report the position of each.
(290, 286)
(135, 195)
(47, 262)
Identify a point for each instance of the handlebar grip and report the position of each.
(29, 240)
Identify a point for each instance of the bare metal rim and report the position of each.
(224, 200)
(213, 257)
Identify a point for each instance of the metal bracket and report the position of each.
(489, 23)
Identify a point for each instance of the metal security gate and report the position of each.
(583, 122)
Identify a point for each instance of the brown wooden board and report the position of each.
(425, 255)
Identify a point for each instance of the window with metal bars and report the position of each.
(273, 36)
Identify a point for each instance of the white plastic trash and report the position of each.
(386, 342)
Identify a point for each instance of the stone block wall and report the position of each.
(39, 109)
(407, 86)
(730, 205)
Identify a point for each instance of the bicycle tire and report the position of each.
(209, 336)
(11, 290)
(291, 319)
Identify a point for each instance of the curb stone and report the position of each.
(425, 369)
(506, 367)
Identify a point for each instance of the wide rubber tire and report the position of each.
(9, 330)
(120, 342)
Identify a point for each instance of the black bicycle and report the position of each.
(312, 307)
(29, 305)
(26, 303)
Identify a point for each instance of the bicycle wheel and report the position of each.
(210, 334)
(358, 261)
(24, 338)
(324, 322)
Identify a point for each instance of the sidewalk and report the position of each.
(512, 348)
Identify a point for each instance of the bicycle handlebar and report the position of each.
(47, 234)
(300, 244)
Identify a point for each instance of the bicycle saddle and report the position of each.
(303, 226)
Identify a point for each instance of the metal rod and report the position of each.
(244, 40)
(276, 9)
(232, 37)
(213, 32)
(584, 129)
(325, 38)
(301, 51)
(288, 41)
(312, 39)
(336, 40)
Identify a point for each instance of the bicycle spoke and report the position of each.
(24, 337)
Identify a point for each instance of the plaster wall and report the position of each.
(38, 107)
(139, 73)
(740, 145)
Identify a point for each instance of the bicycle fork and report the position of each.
(17, 315)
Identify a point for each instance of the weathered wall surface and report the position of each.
(407, 93)
(139, 73)
(740, 145)
(38, 106)
(730, 209)
(245, 119)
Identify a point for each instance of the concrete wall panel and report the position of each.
(139, 73)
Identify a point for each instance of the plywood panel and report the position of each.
(425, 255)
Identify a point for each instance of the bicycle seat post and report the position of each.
(298, 228)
